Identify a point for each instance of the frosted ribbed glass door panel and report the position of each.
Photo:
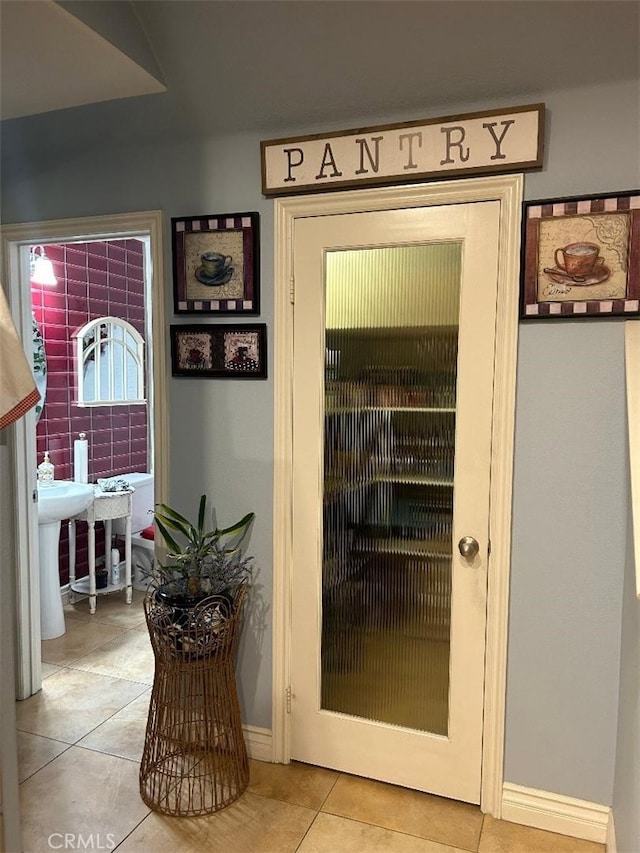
(391, 341)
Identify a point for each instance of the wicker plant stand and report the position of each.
(194, 760)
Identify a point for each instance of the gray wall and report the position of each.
(569, 528)
(626, 792)
(571, 490)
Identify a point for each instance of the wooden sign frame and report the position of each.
(481, 143)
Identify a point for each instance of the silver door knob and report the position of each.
(468, 547)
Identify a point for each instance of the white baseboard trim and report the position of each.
(611, 836)
(258, 743)
(556, 813)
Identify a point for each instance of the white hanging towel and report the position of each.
(18, 392)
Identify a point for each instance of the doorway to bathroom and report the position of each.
(141, 234)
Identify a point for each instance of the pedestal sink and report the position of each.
(58, 500)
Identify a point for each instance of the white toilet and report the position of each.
(142, 550)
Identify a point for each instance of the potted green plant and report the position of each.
(203, 561)
(195, 759)
(202, 584)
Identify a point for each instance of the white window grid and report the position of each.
(114, 352)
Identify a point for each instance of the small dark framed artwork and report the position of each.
(216, 264)
(220, 351)
(581, 257)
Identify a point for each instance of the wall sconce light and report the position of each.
(41, 267)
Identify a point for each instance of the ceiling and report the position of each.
(50, 60)
(272, 66)
(265, 65)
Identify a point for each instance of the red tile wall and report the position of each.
(96, 279)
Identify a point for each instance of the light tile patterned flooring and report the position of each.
(80, 742)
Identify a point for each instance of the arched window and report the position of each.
(109, 363)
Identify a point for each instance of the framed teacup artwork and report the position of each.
(216, 264)
(581, 257)
(222, 351)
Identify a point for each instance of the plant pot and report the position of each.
(174, 594)
(190, 624)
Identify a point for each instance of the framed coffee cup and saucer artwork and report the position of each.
(581, 257)
(216, 264)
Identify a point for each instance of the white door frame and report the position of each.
(508, 191)
(15, 240)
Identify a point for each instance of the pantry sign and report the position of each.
(508, 140)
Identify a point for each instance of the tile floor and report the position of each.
(80, 742)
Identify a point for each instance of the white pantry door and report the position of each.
(394, 335)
